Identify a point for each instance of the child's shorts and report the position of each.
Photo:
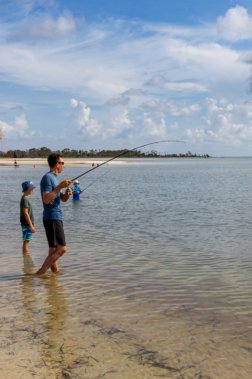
(27, 234)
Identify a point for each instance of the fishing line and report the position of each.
(122, 153)
(94, 181)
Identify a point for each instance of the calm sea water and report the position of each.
(157, 281)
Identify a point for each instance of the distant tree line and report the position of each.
(43, 152)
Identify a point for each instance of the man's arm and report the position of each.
(48, 197)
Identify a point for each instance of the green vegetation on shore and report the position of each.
(43, 152)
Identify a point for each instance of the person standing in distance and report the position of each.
(52, 216)
(76, 190)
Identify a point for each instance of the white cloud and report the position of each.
(121, 100)
(110, 64)
(47, 27)
(174, 109)
(225, 122)
(18, 129)
(74, 103)
(235, 25)
(183, 110)
(131, 98)
(120, 124)
(139, 80)
(154, 127)
(82, 120)
(138, 125)
(160, 81)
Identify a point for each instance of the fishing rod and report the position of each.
(123, 153)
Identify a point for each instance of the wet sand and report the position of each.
(47, 335)
(45, 339)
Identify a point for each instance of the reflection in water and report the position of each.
(44, 317)
(28, 265)
(55, 321)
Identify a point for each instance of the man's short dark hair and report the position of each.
(53, 159)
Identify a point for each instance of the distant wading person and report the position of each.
(52, 215)
(76, 190)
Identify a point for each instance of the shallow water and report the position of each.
(157, 281)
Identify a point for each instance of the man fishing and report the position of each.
(52, 215)
(51, 197)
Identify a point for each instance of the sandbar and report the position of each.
(68, 162)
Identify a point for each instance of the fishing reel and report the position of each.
(69, 191)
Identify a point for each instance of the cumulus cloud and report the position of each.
(82, 120)
(139, 125)
(120, 124)
(17, 129)
(184, 110)
(174, 109)
(153, 127)
(235, 25)
(74, 103)
(225, 122)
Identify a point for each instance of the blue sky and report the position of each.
(117, 74)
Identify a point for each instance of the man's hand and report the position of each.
(33, 229)
(64, 197)
(64, 184)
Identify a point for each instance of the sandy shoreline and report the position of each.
(68, 162)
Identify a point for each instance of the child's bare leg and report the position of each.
(25, 247)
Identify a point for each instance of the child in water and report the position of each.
(76, 190)
(26, 216)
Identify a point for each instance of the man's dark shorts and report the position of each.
(54, 232)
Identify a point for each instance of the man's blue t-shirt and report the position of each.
(52, 211)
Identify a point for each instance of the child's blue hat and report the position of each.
(27, 185)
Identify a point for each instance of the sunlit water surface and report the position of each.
(157, 281)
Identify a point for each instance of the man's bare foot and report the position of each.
(38, 273)
(55, 267)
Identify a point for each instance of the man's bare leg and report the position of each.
(55, 266)
(51, 259)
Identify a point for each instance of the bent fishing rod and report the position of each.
(123, 153)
